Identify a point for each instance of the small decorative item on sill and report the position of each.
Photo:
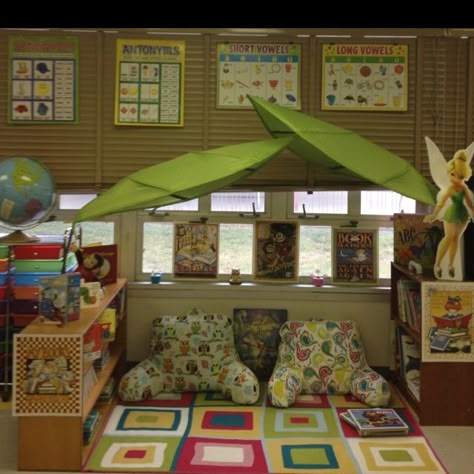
(317, 278)
(155, 277)
(235, 278)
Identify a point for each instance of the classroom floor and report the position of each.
(453, 444)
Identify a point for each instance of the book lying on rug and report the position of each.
(375, 421)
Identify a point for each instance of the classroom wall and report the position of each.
(95, 153)
(370, 308)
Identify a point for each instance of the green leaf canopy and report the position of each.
(335, 148)
(187, 177)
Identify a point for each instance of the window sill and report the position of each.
(252, 287)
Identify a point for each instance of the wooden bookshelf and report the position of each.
(446, 388)
(49, 442)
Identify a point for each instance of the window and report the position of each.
(385, 203)
(238, 202)
(320, 202)
(233, 212)
(102, 231)
(365, 208)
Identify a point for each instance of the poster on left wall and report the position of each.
(43, 76)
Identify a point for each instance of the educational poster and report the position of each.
(365, 77)
(355, 256)
(270, 71)
(447, 332)
(276, 251)
(47, 375)
(149, 87)
(196, 250)
(257, 337)
(43, 79)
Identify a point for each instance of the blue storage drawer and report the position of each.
(31, 278)
(4, 278)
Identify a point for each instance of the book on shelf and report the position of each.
(91, 294)
(410, 362)
(59, 298)
(375, 421)
(98, 263)
(93, 342)
(108, 320)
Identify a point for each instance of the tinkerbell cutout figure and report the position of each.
(455, 206)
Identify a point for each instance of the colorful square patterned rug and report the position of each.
(204, 434)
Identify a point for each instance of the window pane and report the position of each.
(191, 205)
(321, 202)
(385, 251)
(235, 248)
(92, 232)
(157, 247)
(237, 202)
(315, 250)
(75, 201)
(385, 203)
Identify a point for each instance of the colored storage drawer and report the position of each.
(24, 306)
(31, 278)
(4, 278)
(3, 292)
(39, 266)
(3, 306)
(3, 251)
(41, 252)
(22, 320)
(3, 265)
(27, 292)
(2, 320)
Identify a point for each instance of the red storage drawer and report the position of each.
(31, 252)
(27, 292)
(24, 306)
(3, 292)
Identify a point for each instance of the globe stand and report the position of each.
(18, 237)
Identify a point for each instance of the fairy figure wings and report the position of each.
(438, 169)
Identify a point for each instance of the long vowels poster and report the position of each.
(365, 77)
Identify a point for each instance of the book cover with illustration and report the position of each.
(257, 336)
(415, 240)
(98, 263)
(376, 421)
(355, 255)
(108, 321)
(59, 297)
(447, 331)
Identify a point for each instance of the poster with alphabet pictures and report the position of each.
(355, 256)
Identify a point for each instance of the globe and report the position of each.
(27, 193)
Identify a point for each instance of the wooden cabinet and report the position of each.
(50, 425)
(446, 378)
